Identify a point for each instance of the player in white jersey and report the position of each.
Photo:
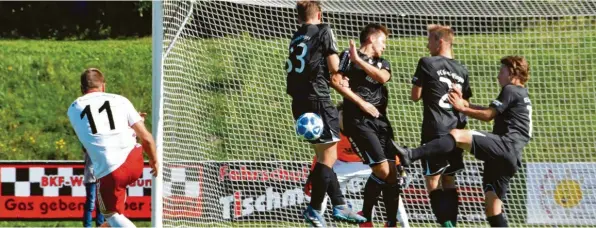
(108, 126)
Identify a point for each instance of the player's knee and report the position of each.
(463, 138)
(457, 134)
(381, 170)
(326, 153)
(432, 182)
(492, 204)
(382, 173)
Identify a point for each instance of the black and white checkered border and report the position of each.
(24, 182)
(182, 181)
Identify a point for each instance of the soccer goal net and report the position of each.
(225, 131)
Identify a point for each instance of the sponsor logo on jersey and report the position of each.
(451, 75)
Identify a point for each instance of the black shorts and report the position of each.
(444, 165)
(328, 113)
(501, 161)
(373, 138)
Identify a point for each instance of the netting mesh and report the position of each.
(230, 154)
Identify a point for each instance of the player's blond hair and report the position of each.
(518, 67)
(307, 9)
(372, 29)
(441, 32)
(91, 78)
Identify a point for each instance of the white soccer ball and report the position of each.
(309, 126)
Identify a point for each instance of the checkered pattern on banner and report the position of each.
(23, 182)
(182, 182)
(28, 181)
(141, 187)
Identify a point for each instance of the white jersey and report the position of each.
(102, 123)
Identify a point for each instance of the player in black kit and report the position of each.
(312, 66)
(434, 78)
(500, 150)
(367, 73)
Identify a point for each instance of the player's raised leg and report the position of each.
(500, 165)
(500, 150)
(444, 146)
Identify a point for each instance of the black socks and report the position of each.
(372, 190)
(497, 220)
(334, 191)
(444, 203)
(320, 179)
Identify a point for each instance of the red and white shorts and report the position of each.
(112, 188)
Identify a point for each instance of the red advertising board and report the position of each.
(55, 190)
(226, 191)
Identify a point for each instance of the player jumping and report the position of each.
(107, 126)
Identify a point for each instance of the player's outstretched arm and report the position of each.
(148, 145)
(474, 111)
(379, 75)
(336, 83)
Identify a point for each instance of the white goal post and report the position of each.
(224, 130)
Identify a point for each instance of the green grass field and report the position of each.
(230, 104)
(240, 90)
(40, 80)
(239, 84)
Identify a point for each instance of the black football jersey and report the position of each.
(363, 85)
(308, 75)
(437, 75)
(514, 115)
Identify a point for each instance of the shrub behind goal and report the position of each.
(226, 135)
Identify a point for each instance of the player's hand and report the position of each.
(154, 167)
(456, 101)
(345, 82)
(354, 57)
(457, 90)
(403, 179)
(143, 115)
(370, 109)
